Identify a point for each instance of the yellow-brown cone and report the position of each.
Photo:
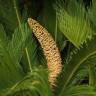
(50, 49)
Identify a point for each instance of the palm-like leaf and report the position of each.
(92, 12)
(73, 22)
(10, 68)
(34, 84)
(16, 45)
(78, 59)
(81, 90)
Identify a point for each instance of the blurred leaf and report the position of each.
(8, 15)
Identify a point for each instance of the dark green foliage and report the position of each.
(23, 67)
(8, 16)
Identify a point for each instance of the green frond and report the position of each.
(9, 68)
(92, 12)
(73, 22)
(81, 74)
(80, 90)
(3, 37)
(34, 84)
(18, 43)
(78, 59)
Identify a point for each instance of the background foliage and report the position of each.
(23, 70)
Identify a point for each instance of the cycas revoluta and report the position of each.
(50, 49)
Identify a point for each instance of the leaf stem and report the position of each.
(91, 75)
(26, 49)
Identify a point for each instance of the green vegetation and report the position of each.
(23, 67)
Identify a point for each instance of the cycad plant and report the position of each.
(51, 54)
